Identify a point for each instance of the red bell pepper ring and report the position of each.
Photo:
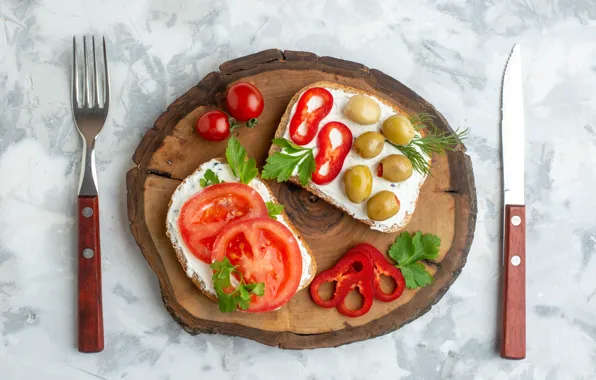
(332, 154)
(353, 270)
(382, 267)
(310, 117)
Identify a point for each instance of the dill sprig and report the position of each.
(434, 141)
(420, 120)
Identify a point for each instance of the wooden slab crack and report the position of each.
(170, 151)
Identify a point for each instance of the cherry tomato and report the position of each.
(206, 214)
(265, 251)
(244, 101)
(334, 142)
(305, 122)
(214, 126)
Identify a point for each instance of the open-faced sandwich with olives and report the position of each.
(358, 152)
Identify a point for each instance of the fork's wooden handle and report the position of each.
(513, 334)
(90, 314)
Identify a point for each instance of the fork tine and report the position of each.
(75, 74)
(106, 88)
(95, 78)
(86, 92)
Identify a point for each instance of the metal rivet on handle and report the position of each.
(87, 212)
(88, 253)
(516, 220)
(515, 260)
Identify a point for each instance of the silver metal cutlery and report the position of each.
(90, 104)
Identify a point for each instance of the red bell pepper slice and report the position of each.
(311, 118)
(330, 159)
(382, 267)
(353, 270)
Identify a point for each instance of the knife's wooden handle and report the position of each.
(513, 334)
(90, 314)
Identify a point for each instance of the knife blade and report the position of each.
(513, 333)
(512, 129)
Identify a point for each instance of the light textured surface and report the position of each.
(451, 52)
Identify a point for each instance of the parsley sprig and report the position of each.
(240, 297)
(281, 165)
(408, 250)
(243, 168)
(435, 141)
(209, 178)
(274, 209)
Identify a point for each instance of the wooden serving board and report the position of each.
(172, 150)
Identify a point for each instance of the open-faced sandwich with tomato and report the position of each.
(359, 152)
(233, 239)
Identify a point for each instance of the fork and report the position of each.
(90, 115)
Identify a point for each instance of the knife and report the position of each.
(513, 333)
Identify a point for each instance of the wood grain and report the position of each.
(171, 150)
(90, 311)
(513, 332)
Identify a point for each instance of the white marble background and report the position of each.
(452, 52)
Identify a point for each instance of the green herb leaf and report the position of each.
(249, 171)
(258, 289)
(281, 165)
(241, 296)
(399, 251)
(408, 250)
(288, 146)
(274, 209)
(218, 265)
(306, 168)
(243, 168)
(244, 294)
(416, 275)
(427, 246)
(210, 178)
(244, 304)
(236, 155)
(226, 302)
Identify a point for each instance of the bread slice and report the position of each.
(394, 225)
(192, 265)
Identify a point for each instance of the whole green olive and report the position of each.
(358, 183)
(398, 130)
(369, 144)
(395, 168)
(362, 110)
(382, 206)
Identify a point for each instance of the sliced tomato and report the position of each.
(303, 134)
(206, 214)
(265, 251)
(334, 142)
